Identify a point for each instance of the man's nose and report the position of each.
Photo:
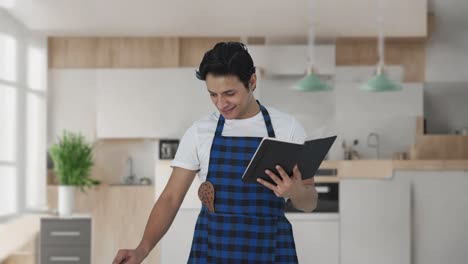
(222, 102)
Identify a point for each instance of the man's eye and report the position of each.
(230, 94)
(212, 95)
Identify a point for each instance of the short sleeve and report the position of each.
(298, 134)
(187, 152)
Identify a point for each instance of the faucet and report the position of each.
(130, 179)
(374, 137)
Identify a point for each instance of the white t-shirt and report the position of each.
(194, 148)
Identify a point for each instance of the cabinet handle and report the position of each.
(64, 258)
(65, 233)
(322, 189)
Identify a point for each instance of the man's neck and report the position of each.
(253, 110)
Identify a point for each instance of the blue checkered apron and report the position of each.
(248, 225)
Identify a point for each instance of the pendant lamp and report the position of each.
(311, 82)
(380, 82)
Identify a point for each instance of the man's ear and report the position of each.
(253, 82)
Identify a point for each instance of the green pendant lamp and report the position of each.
(380, 82)
(311, 83)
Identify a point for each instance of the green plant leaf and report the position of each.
(73, 160)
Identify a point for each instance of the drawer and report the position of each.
(67, 232)
(65, 255)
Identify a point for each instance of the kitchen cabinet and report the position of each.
(317, 237)
(375, 221)
(149, 103)
(119, 215)
(292, 59)
(72, 103)
(176, 243)
(65, 240)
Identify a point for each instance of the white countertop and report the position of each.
(314, 216)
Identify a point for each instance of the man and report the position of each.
(248, 225)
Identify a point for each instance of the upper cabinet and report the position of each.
(292, 59)
(149, 103)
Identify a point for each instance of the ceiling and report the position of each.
(352, 18)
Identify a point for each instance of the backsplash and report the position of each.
(111, 159)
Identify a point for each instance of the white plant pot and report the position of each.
(66, 200)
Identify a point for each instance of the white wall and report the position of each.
(446, 68)
(445, 107)
(446, 52)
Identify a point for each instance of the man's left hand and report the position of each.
(286, 186)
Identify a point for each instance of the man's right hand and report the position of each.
(129, 256)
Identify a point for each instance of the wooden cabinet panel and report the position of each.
(363, 51)
(440, 147)
(113, 52)
(72, 52)
(193, 49)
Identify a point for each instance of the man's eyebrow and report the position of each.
(230, 90)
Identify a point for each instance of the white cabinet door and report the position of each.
(292, 59)
(72, 102)
(156, 103)
(176, 244)
(375, 221)
(317, 240)
(162, 174)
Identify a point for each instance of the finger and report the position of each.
(273, 176)
(120, 256)
(267, 184)
(282, 173)
(296, 172)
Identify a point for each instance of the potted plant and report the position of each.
(73, 160)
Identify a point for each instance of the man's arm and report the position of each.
(161, 217)
(165, 209)
(306, 199)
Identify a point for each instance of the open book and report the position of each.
(272, 152)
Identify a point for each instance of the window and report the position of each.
(8, 126)
(23, 93)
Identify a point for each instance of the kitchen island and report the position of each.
(403, 211)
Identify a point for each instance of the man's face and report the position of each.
(229, 95)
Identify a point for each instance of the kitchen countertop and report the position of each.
(385, 168)
(313, 216)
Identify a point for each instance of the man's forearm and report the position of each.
(161, 217)
(306, 199)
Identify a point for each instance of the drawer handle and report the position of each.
(65, 233)
(64, 258)
(322, 189)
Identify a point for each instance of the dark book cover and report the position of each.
(272, 152)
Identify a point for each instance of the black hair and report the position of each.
(227, 58)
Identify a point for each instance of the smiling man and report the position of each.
(248, 224)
